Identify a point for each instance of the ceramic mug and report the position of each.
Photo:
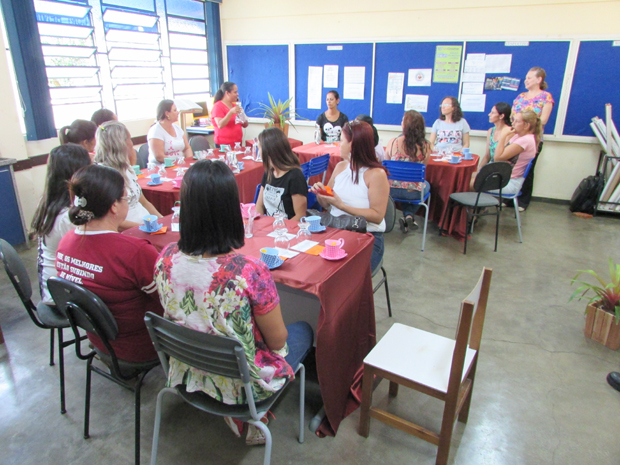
(136, 169)
(269, 255)
(155, 178)
(168, 162)
(315, 221)
(455, 159)
(333, 247)
(150, 222)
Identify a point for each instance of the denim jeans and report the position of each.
(409, 209)
(300, 340)
(377, 250)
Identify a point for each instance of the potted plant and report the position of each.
(278, 114)
(603, 310)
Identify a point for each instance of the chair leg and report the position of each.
(160, 398)
(517, 216)
(393, 391)
(137, 415)
(364, 427)
(387, 292)
(263, 427)
(445, 436)
(61, 363)
(496, 226)
(446, 215)
(302, 400)
(87, 398)
(426, 207)
(467, 233)
(52, 347)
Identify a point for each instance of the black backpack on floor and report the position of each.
(586, 195)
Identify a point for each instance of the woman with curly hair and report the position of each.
(450, 130)
(410, 146)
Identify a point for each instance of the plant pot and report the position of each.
(601, 327)
(277, 125)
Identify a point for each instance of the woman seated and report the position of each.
(51, 220)
(411, 146)
(113, 149)
(332, 120)
(80, 132)
(115, 267)
(518, 145)
(450, 131)
(379, 150)
(283, 188)
(359, 183)
(205, 285)
(165, 138)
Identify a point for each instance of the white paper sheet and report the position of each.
(416, 102)
(354, 82)
(420, 77)
(473, 88)
(473, 77)
(395, 85)
(474, 66)
(286, 253)
(498, 63)
(289, 236)
(304, 246)
(315, 90)
(473, 103)
(330, 76)
(475, 57)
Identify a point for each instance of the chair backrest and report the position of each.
(305, 169)
(390, 215)
(405, 171)
(143, 156)
(218, 355)
(493, 176)
(199, 143)
(257, 192)
(318, 165)
(16, 271)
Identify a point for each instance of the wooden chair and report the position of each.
(440, 367)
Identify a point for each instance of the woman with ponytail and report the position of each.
(80, 132)
(224, 115)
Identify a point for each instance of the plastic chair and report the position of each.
(257, 192)
(318, 165)
(220, 356)
(87, 311)
(198, 143)
(312, 201)
(143, 156)
(494, 176)
(514, 198)
(435, 365)
(410, 172)
(390, 215)
(44, 316)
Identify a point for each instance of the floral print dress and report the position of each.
(220, 296)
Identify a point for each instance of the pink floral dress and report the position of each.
(220, 296)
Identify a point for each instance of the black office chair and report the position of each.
(44, 316)
(143, 156)
(199, 143)
(390, 219)
(220, 356)
(87, 311)
(493, 176)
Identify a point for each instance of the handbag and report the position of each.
(346, 222)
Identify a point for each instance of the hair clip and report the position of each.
(86, 215)
(79, 201)
(102, 127)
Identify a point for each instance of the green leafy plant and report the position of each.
(607, 295)
(278, 113)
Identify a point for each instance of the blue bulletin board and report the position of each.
(399, 58)
(338, 54)
(258, 70)
(551, 56)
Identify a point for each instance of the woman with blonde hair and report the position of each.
(113, 150)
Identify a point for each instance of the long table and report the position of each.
(163, 196)
(345, 324)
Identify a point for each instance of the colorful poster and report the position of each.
(447, 63)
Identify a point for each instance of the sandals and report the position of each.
(407, 223)
(254, 436)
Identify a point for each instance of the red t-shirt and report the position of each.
(118, 269)
(230, 133)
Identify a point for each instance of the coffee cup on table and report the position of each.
(169, 161)
(155, 178)
(315, 221)
(136, 169)
(150, 222)
(455, 159)
(269, 255)
(333, 247)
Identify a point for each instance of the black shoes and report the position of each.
(613, 379)
(406, 223)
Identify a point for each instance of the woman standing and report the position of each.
(333, 120)
(451, 130)
(113, 149)
(207, 286)
(410, 146)
(540, 102)
(224, 115)
(360, 184)
(165, 138)
(283, 188)
(51, 220)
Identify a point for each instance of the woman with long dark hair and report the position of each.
(283, 188)
(51, 220)
(450, 130)
(359, 183)
(80, 132)
(224, 115)
(207, 286)
(410, 146)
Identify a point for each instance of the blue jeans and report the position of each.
(300, 339)
(377, 250)
(409, 209)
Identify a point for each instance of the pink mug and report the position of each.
(333, 247)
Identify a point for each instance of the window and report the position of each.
(125, 55)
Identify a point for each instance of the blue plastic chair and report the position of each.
(312, 202)
(515, 199)
(257, 192)
(410, 172)
(318, 165)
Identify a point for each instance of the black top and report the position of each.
(331, 128)
(278, 193)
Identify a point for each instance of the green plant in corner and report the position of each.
(606, 296)
(278, 113)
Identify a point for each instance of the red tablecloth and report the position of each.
(308, 151)
(294, 142)
(445, 179)
(163, 196)
(346, 327)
